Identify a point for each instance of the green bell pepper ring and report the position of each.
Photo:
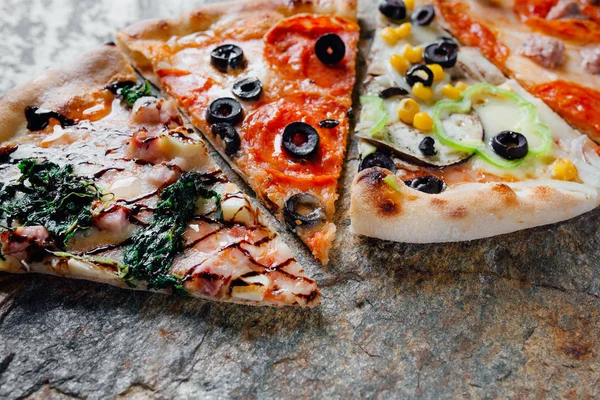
(528, 122)
(373, 111)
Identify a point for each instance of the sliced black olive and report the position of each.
(444, 53)
(423, 16)
(330, 49)
(224, 109)
(227, 56)
(427, 146)
(303, 209)
(248, 88)
(329, 123)
(393, 9)
(393, 91)
(229, 135)
(377, 159)
(427, 184)
(350, 113)
(510, 145)
(115, 88)
(300, 140)
(447, 39)
(419, 73)
(39, 118)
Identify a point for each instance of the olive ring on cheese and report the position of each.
(330, 49)
(225, 109)
(393, 9)
(419, 73)
(248, 88)
(510, 145)
(377, 159)
(427, 184)
(300, 140)
(444, 53)
(427, 146)
(303, 209)
(229, 135)
(423, 16)
(393, 91)
(227, 56)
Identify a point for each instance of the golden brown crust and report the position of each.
(459, 213)
(57, 87)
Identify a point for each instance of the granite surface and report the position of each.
(514, 316)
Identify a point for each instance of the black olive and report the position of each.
(224, 109)
(419, 73)
(393, 91)
(447, 39)
(510, 145)
(330, 49)
(229, 135)
(423, 16)
(350, 113)
(300, 140)
(377, 159)
(329, 123)
(303, 209)
(427, 184)
(427, 146)
(227, 56)
(444, 53)
(393, 9)
(248, 88)
(115, 88)
(39, 118)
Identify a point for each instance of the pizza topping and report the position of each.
(393, 9)
(377, 159)
(422, 121)
(248, 88)
(443, 53)
(510, 145)
(228, 135)
(544, 50)
(150, 110)
(392, 92)
(329, 123)
(423, 16)
(330, 49)
(564, 170)
(153, 250)
(427, 146)
(407, 110)
(224, 109)
(130, 92)
(419, 73)
(302, 210)
(300, 140)
(226, 57)
(373, 116)
(427, 184)
(422, 92)
(591, 60)
(566, 9)
(24, 238)
(39, 118)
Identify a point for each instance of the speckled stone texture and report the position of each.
(514, 316)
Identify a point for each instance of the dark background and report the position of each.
(512, 316)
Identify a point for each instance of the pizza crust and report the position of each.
(57, 87)
(465, 212)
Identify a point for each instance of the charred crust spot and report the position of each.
(458, 213)
(505, 192)
(308, 297)
(7, 150)
(209, 276)
(387, 206)
(543, 192)
(438, 203)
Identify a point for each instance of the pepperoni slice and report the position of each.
(290, 52)
(577, 104)
(472, 33)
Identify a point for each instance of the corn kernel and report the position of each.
(451, 92)
(438, 72)
(422, 121)
(399, 63)
(422, 92)
(460, 85)
(409, 4)
(389, 36)
(403, 31)
(413, 54)
(564, 170)
(407, 110)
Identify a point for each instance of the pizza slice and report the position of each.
(269, 83)
(551, 47)
(452, 150)
(100, 180)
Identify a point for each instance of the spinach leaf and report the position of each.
(51, 196)
(151, 255)
(131, 92)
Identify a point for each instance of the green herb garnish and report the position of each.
(151, 255)
(131, 92)
(51, 196)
